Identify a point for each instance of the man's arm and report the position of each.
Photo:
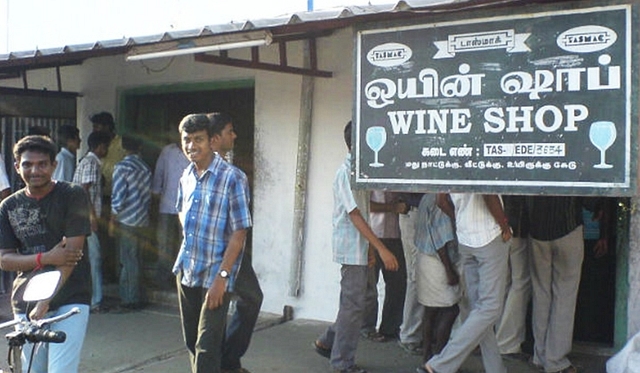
(443, 200)
(65, 253)
(495, 209)
(394, 207)
(64, 256)
(390, 262)
(118, 193)
(93, 218)
(215, 294)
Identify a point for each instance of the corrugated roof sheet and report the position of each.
(324, 19)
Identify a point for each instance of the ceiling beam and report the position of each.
(255, 63)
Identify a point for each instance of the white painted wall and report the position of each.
(277, 112)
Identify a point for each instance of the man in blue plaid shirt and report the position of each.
(213, 206)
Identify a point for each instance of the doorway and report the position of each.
(154, 113)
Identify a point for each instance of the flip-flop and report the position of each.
(423, 370)
(322, 350)
(378, 337)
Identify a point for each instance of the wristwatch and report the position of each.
(224, 274)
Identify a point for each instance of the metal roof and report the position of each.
(300, 23)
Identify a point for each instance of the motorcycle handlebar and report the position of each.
(33, 331)
(35, 334)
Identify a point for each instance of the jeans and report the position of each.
(342, 336)
(59, 357)
(203, 329)
(95, 260)
(169, 236)
(128, 243)
(244, 319)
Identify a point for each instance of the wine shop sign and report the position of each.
(527, 100)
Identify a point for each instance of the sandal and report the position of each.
(322, 350)
(378, 337)
(569, 369)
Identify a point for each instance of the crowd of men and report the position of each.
(473, 259)
(54, 223)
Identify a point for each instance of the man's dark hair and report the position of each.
(218, 122)
(67, 132)
(131, 143)
(96, 138)
(194, 123)
(104, 118)
(35, 143)
(38, 130)
(347, 135)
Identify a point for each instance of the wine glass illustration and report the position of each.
(376, 138)
(602, 135)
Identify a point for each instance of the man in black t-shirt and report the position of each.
(43, 227)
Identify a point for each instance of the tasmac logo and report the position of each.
(586, 39)
(389, 55)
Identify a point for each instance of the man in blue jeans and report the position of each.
(88, 174)
(44, 226)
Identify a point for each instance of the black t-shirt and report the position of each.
(34, 226)
(553, 217)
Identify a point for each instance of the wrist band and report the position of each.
(38, 262)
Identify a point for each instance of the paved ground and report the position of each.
(150, 341)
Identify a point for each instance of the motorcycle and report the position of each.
(40, 287)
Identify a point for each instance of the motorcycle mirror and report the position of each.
(41, 286)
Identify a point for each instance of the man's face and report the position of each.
(101, 150)
(36, 169)
(99, 127)
(197, 146)
(73, 145)
(226, 140)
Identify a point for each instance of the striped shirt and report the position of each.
(476, 227)
(211, 207)
(131, 193)
(89, 172)
(349, 246)
(433, 227)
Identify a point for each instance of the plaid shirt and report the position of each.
(89, 172)
(211, 207)
(349, 246)
(433, 227)
(131, 193)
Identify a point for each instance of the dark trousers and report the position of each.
(203, 329)
(395, 283)
(243, 321)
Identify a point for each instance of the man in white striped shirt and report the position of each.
(483, 236)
